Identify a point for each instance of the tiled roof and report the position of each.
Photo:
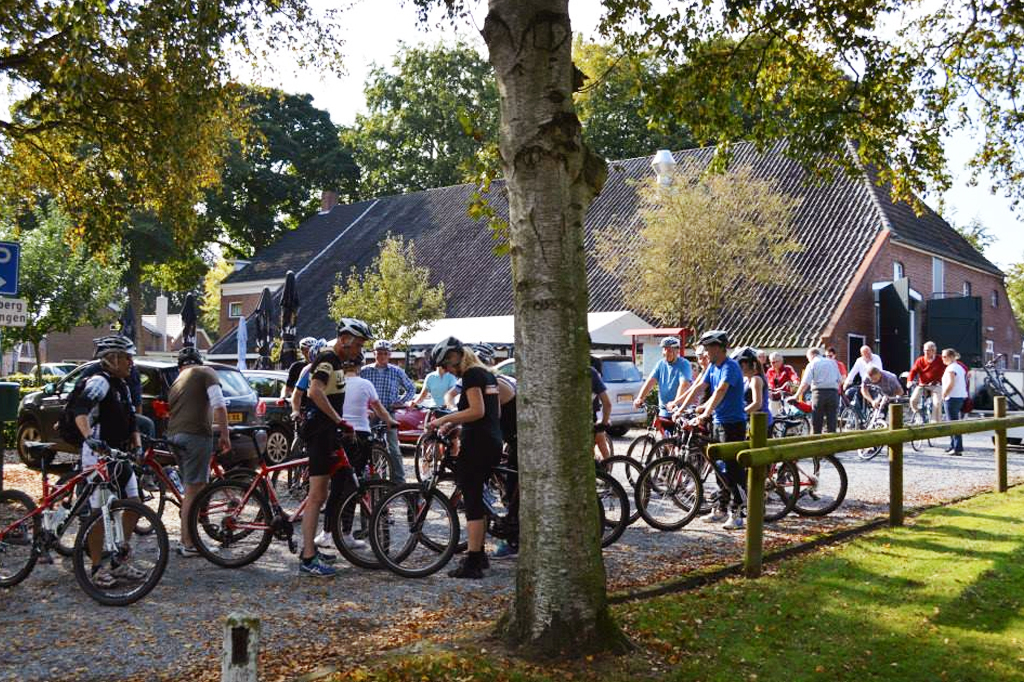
(836, 222)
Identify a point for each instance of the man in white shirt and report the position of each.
(954, 392)
(860, 370)
(822, 376)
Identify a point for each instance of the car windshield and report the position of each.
(266, 387)
(232, 383)
(618, 371)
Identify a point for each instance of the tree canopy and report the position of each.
(1015, 290)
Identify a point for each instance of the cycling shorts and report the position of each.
(320, 451)
(476, 460)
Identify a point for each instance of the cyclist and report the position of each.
(672, 374)
(723, 384)
(394, 387)
(602, 406)
(859, 372)
(105, 416)
(194, 396)
(927, 371)
(323, 420)
(823, 378)
(755, 387)
(880, 387)
(299, 397)
(296, 368)
(954, 393)
(695, 393)
(782, 381)
(436, 384)
(479, 414)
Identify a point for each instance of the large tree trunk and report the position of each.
(133, 283)
(560, 604)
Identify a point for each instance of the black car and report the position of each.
(39, 412)
(273, 411)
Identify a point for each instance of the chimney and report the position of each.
(161, 320)
(328, 200)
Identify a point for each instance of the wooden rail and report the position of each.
(756, 455)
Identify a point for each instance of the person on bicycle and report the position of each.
(395, 388)
(479, 413)
(323, 421)
(954, 393)
(859, 372)
(105, 416)
(755, 387)
(880, 387)
(672, 375)
(782, 381)
(296, 367)
(927, 372)
(195, 395)
(823, 378)
(723, 384)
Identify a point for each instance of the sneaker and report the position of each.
(505, 550)
(186, 552)
(715, 516)
(735, 522)
(957, 453)
(469, 569)
(323, 539)
(103, 579)
(316, 568)
(948, 451)
(327, 558)
(352, 543)
(126, 570)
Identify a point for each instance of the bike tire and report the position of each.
(379, 460)
(155, 499)
(212, 512)
(640, 449)
(821, 500)
(18, 554)
(156, 565)
(360, 503)
(65, 544)
(669, 493)
(868, 454)
(399, 527)
(613, 508)
(917, 419)
(848, 419)
(782, 486)
(626, 471)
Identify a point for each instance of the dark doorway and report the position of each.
(956, 323)
(853, 345)
(894, 332)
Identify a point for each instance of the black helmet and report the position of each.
(115, 343)
(485, 352)
(189, 355)
(745, 354)
(442, 348)
(350, 325)
(714, 336)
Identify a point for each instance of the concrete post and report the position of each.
(1000, 443)
(240, 658)
(895, 469)
(754, 552)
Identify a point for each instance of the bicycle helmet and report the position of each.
(714, 337)
(485, 352)
(670, 342)
(318, 347)
(442, 348)
(745, 354)
(382, 345)
(115, 343)
(307, 342)
(189, 355)
(350, 325)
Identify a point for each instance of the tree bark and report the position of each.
(133, 282)
(560, 606)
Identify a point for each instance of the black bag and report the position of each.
(66, 427)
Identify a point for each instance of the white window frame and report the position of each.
(1016, 361)
(990, 350)
(938, 277)
(232, 307)
(967, 289)
(994, 298)
(898, 271)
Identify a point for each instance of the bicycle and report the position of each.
(640, 449)
(878, 420)
(427, 455)
(794, 419)
(822, 488)
(921, 416)
(996, 383)
(28, 531)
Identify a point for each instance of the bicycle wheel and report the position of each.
(640, 448)
(613, 507)
(668, 493)
(822, 486)
(868, 454)
(426, 458)
(848, 420)
(153, 493)
(918, 418)
(65, 544)
(356, 511)
(17, 543)
(781, 486)
(626, 471)
(136, 562)
(228, 528)
(414, 532)
(379, 460)
(291, 487)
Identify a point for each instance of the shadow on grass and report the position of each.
(992, 601)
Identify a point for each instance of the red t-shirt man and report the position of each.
(927, 372)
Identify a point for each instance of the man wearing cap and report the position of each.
(394, 388)
(672, 375)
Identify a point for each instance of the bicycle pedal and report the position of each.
(293, 546)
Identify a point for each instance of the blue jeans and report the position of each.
(395, 458)
(953, 406)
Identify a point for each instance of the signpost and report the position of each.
(10, 261)
(13, 313)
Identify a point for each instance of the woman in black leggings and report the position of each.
(479, 413)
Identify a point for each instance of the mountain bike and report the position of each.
(794, 419)
(997, 384)
(29, 531)
(920, 416)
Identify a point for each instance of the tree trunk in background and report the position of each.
(560, 605)
(133, 282)
(39, 361)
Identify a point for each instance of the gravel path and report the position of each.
(52, 630)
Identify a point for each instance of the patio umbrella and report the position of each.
(189, 316)
(289, 315)
(263, 332)
(127, 322)
(242, 337)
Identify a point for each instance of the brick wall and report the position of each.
(859, 316)
(249, 303)
(75, 345)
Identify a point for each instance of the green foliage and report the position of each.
(1015, 290)
(668, 271)
(975, 232)
(209, 306)
(63, 285)
(393, 296)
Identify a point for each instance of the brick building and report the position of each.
(871, 270)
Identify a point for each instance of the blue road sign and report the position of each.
(10, 261)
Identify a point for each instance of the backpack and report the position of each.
(66, 427)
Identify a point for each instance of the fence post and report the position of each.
(755, 499)
(1000, 442)
(895, 469)
(238, 662)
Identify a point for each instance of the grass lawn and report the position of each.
(941, 599)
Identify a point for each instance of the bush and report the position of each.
(28, 385)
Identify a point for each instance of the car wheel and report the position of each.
(617, 431)
(278, 446)
(28, 430)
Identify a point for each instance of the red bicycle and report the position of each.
(129, 565)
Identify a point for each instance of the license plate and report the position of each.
(624, 398)
(235, 417)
